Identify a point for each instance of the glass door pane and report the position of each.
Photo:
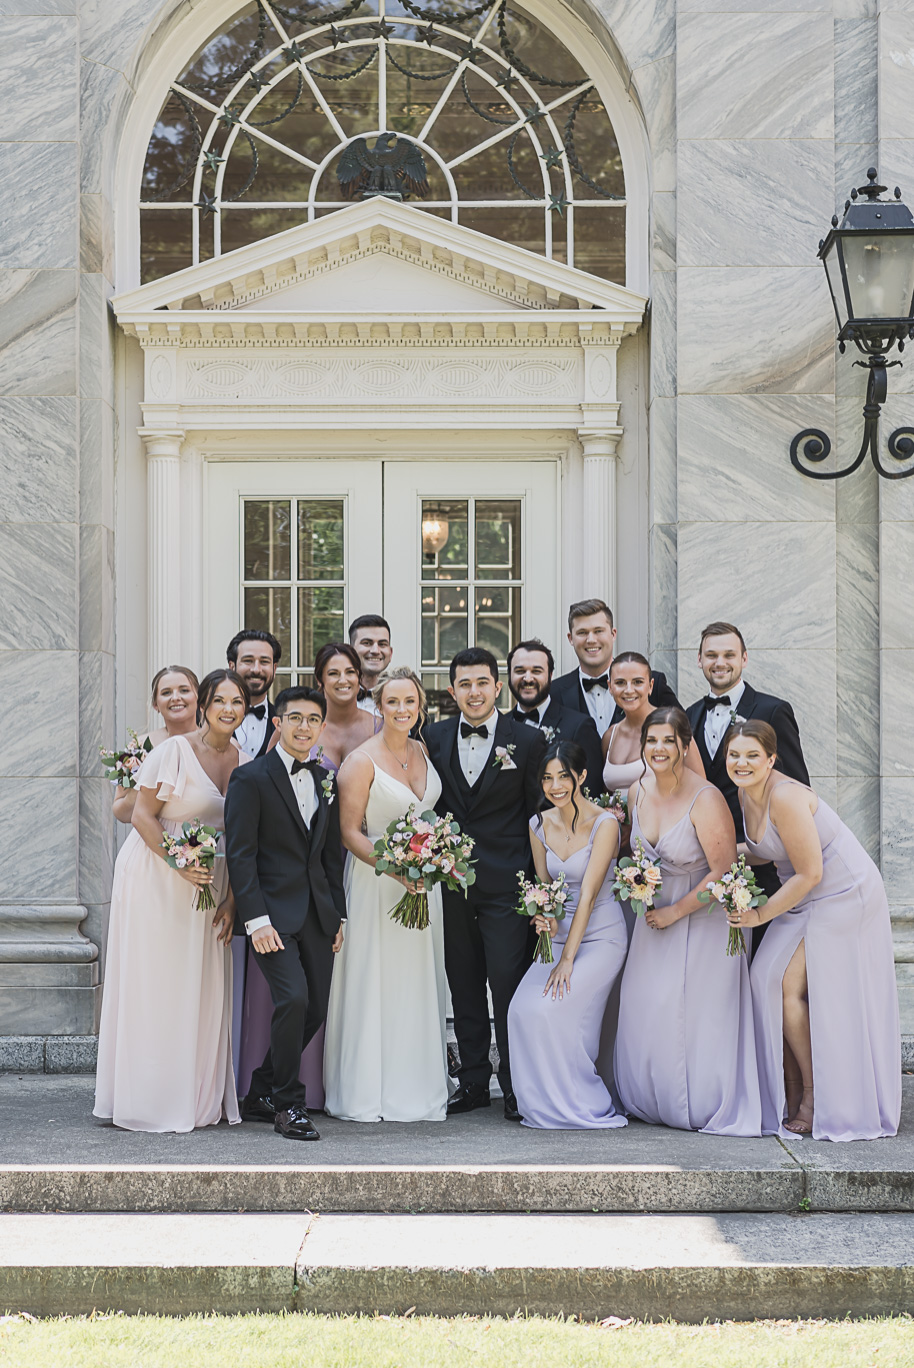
(314, 579)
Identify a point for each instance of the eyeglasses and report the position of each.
(297, 719)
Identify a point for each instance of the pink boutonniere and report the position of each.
(504, 757)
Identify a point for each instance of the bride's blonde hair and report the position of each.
(400, 672)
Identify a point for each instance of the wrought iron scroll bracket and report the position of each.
(815, 445)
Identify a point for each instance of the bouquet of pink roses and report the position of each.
(195, 848)
(737, 891)
(121, 766)
(429, 848)
(638, 879)
(542, 899)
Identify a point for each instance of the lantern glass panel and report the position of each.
(835, 281)
(880, 274)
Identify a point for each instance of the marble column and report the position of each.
(599, 512)
(163, 488)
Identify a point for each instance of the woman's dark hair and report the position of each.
(189, 675)
(326, 654)
(631, 658)
(671, 717)
(572, 758)
(762, 732)
(210, 683)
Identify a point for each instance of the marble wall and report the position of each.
(760, 115)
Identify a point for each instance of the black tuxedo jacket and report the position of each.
(570, 725)
(567, 691)
(758, 707)
(278, 867)
(497, 809)
(268, 734)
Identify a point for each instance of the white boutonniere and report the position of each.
(735, 717)
(504, 757)
(549, 733)
(327, 789)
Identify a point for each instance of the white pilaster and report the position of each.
(599, 511)
(163, 490)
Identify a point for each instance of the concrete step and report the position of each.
(473, 1163)
(686, 1267)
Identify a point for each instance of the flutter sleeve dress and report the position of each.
(164, 1049)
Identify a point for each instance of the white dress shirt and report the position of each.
(250, 735)
(473, 751)
(600, 703)
(367, 704)
(306, 796)
(717, 720)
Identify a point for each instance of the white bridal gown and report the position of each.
(385, 1050)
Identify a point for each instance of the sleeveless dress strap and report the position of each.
(697, 796)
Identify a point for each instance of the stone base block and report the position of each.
(63, 1054)
(27, 1010)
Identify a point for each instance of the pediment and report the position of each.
(381, 257)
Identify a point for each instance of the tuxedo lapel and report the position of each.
(280, 776)
(748, 702)
(321, 812)
(489, 774)
(452, 760)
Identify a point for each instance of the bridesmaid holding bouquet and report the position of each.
(685, 1049)
(556, 1015)
(823, 980)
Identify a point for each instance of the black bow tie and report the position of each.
(302, 764)
(601, 680)
(259, 711)
(466, 730)
(712, 701)
(532, 717)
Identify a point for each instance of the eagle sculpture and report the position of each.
(394, 168)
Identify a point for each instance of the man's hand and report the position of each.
(338, 941)
(265, 939)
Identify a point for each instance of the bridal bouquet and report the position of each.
(195, 848)
(542, 899)
(121, 766)
(429, 848)
(638, 879)
(737, 891)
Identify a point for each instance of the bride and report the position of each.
(385, 1051)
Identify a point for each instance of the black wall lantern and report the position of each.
(869, 261)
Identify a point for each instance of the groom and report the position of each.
(489, 768)
(282, 845)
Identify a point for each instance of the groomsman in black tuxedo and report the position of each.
(254, 655)
(722, 657)
(586, 689)
(285, 864)
(488, 765)
(530, 669)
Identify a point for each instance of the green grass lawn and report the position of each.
(287, 1341)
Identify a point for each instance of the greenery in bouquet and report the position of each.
(541, 899)
(426, 850)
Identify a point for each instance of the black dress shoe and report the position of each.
(511, 1112)
(467, 1098)
(295, 1124)
(254, 1108)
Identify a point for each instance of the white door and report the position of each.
(453, 553)
(294, 548)
(471, 557)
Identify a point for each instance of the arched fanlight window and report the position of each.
(281, 118)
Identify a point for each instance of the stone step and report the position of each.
(583, 1188)
(472, 1163)
(690, 1268)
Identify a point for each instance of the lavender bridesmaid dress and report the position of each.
(853, 998)
(554, 1043)
(257, 1014)
(685, 1052)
